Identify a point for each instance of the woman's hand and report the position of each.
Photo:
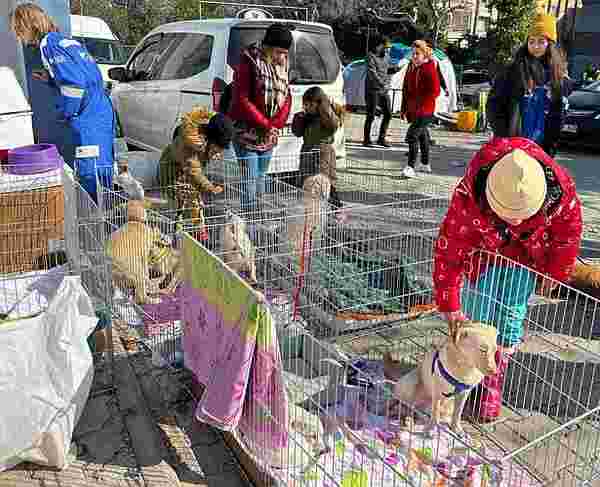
(455, 320)
(402, 115)
(40, 75)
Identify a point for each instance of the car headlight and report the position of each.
(597, 117)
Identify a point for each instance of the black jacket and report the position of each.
(504, 115)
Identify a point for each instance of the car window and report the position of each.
(186, 55)
(313, 57)
(475, 78)
(145, 57)
(104, 51)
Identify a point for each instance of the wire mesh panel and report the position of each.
(544, 428)
(349, 265)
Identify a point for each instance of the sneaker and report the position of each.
(424, 168)
(409, 172)
(384, 143)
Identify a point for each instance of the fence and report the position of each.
(341, 296)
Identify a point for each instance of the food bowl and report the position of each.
(33, 159)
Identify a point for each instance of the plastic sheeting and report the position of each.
(356, 72)
(46, 372)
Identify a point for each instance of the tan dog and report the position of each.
(239, 253)
(450, 372)
(135, 249)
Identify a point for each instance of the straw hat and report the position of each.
(516, 186)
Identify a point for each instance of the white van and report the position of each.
(101, 43)
(180, 65)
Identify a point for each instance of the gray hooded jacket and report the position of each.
(378, 80)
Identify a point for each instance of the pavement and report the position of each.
(137, 430)
(453, 150)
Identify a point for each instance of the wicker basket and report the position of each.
(30, 221)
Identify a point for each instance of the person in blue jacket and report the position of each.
(83, 103)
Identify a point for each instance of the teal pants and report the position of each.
(499, 297)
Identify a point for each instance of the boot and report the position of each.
(488, 402)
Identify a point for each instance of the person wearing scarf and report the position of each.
(529, 98)
(261, 104)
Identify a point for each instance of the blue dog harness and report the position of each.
(459, 387)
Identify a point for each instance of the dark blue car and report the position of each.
(582, 124)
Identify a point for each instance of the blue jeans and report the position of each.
(500, 298)
(254, 166)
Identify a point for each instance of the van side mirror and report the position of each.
(118, 74)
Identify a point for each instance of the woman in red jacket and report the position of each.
(420, 90)
(260, 108)
(517, 202)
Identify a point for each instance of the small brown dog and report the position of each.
(238, 251)
(450, 372)
(137, 250)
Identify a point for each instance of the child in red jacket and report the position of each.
(514, 201)
(419, 93)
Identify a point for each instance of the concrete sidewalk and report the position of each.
(453, 151)
(138, 434)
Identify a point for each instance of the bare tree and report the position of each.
(440, 12)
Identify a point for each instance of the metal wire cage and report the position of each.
(343, 423)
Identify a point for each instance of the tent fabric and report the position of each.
(356, 72)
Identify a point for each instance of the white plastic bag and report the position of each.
(46, 372)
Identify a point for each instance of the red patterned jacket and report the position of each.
(548, 242)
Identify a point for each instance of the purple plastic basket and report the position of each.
(33, 159)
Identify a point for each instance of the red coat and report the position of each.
(248, 104)
(548, 242)
(420, 90)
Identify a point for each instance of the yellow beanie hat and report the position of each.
(516, 186)
(544, 25)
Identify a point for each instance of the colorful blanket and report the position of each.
(230, 345)
(367, 449)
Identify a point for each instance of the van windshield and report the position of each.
(104, 51)
(313, 57)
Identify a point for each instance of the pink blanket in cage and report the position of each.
(370, 450)
(230, 345)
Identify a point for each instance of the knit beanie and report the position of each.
(278, 35)
(516, 186)
(423, 48)
(219, 130)
(544, 25)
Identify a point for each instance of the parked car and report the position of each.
(180, 65)
(582, 124)
(473, 83)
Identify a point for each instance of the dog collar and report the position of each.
(458, 386)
